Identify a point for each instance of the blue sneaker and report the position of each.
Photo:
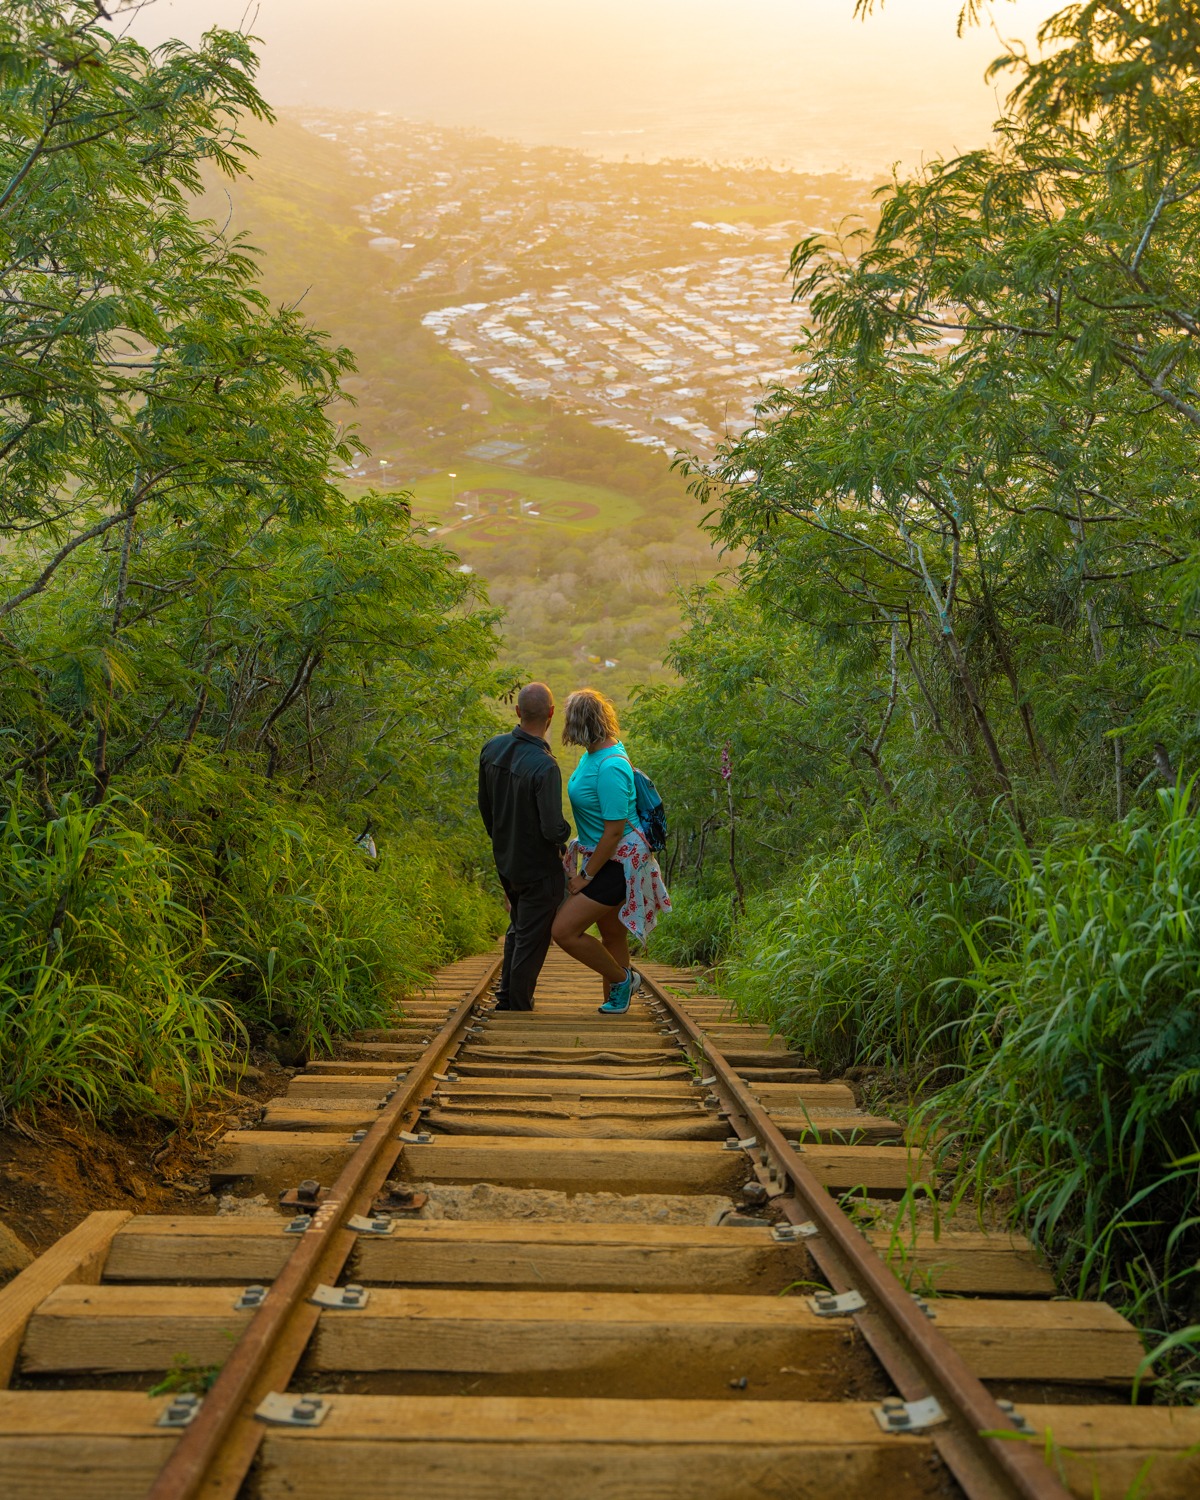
(621, 994)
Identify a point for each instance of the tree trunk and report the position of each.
(739, 890)
(101, 773)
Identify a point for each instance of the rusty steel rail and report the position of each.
(979, 1443)
(217, 1449)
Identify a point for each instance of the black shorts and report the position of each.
(608, 885)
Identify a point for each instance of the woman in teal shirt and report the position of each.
(617, 887)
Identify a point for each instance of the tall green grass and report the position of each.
(101, 1004)
(137, 960)
(1078, 1059)
(325, 940)
(1048, 1005)
(855, 960)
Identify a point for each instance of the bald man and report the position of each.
(520, 801)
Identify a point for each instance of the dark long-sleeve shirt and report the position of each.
(520, 801)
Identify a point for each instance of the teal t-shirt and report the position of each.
(601, 790)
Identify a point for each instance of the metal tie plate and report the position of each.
(1016, 1418)
(840, 1305)
(789, 1234)
(180, 1411)
(253, 1296)
(360, 1224)
(281, 1410)
(416, 1138)
(894, 1415)
(352, 1296)
(748, 1144)
(298, 1225)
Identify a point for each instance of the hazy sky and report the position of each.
(796, 81)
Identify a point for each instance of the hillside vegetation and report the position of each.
(931, 757)
(573, 594)
(216, 670)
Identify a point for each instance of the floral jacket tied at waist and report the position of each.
(645, 892)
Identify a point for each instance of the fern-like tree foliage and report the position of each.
(215, 671)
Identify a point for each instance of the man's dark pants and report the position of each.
(527, 940)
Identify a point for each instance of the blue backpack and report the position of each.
(651, 811)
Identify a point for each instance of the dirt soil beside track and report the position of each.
(59, 1167)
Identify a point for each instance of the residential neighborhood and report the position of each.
(652, 298)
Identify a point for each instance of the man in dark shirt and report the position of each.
(520, 801)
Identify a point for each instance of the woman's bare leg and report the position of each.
(570, 932)
(614, 935)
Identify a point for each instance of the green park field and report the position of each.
(492, 493)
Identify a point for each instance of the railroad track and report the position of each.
(640, 1285)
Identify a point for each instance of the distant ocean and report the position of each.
(795, 83)
(797, 141)
(781, 83)
(786, 125)
(793, 140)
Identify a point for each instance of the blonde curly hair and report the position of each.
(589, 717)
